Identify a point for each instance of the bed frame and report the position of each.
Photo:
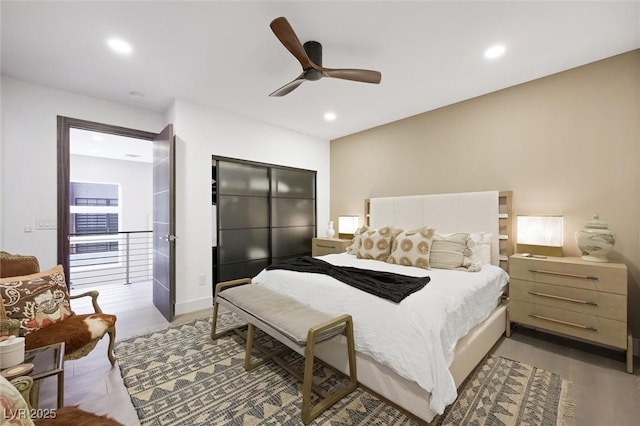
(488, 211)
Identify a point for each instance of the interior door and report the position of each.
(164, 212)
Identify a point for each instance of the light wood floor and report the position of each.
(604, 393)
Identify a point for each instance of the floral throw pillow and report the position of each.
(412, 248)
(36, 300)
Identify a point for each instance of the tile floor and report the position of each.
(604, 393)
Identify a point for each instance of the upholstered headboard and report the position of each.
(447, 213)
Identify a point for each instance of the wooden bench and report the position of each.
(298, 326)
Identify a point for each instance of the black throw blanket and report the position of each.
(387, 285)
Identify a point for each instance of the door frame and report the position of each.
(65, 124)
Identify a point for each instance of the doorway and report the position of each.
(106, 207)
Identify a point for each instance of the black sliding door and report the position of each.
(293, 208)
(243, 220)
(262, 214)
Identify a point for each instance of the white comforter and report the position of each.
(416, 337)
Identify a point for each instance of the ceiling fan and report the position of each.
(310, 57)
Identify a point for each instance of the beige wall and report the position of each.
(567, 144)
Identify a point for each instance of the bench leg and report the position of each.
(308, 413)
(309, 358)
(351, 353)
(214, 320)
(247, 351)
(248, 364)
(219, 287)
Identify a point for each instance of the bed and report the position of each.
(416, 353)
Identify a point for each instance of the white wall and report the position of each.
(29, 157)
(201, 133)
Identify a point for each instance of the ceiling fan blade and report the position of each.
(289, 87)
(365, 76)
(282, 29)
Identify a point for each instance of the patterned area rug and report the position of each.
(179, 376)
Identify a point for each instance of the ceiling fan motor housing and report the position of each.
(314, 52)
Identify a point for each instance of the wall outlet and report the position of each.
(202, 279)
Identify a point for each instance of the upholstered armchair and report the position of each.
(46, 318)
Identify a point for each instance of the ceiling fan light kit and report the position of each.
(310, 57)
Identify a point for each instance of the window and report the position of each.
(96, 223)
(94, 212)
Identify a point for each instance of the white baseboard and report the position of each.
(194, 305)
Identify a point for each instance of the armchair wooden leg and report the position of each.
(112, 339)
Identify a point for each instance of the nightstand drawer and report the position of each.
(323, 246)
(601, 304)
(588, 327)
(571, 272)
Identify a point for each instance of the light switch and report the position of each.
(45, 223)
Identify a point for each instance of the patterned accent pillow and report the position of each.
(13, 407)
(36, 300)
(376, 244)
(412, 248)
(451, 251)
(357, 239)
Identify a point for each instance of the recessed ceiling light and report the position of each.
(97, 138)
(329, 116)
(136, 94)
(119, 46)
(495, 51)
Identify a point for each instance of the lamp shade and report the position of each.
(540, 234)
(348, 224)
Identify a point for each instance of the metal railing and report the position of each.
(110, 258)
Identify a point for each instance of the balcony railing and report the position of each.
(113, 258)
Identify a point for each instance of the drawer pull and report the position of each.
(323, 246)
(566, 299)
(584, 277)
(584, 327)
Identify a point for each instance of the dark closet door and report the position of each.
(293, 213)
(243, 220)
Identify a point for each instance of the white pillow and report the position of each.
(480, 245)
(450, 251)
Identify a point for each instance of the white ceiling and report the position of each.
(224, 55)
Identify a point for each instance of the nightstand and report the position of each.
(322, 246)
(572, 297)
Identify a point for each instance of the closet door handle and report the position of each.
(566, 299)
(571, 324)
(584, 277)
